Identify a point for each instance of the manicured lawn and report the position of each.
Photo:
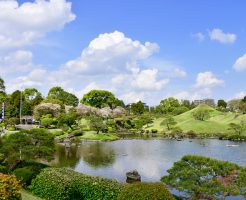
(92, 135)
(28, 196)
(217, 123)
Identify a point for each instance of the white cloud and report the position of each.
(240, 63)
(111, 53)
(134, 96)
(147, 80)
(207, 80)
(199, 36)
(22, 24)
(219, 35)
(240, 95)
(18, 61)
(177, 73)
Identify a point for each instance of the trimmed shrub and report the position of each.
(24, 175)
(145, 191)
(77, 133)
(154, 131)
(9, 188)
(66, 184)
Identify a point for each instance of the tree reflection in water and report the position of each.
(97, 154)
(67, 157)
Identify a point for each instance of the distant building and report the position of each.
(209, 102)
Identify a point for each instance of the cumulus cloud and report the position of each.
(17, 61)
(22, 24)
(220, 36)
(240, 63)
(111, 53)
(207, 80)
(147, 80)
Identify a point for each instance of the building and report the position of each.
(209, 102)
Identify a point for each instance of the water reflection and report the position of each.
(151, 158)
(96, 154)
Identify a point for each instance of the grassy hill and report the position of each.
(217, 123)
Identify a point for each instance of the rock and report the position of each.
(133, 176)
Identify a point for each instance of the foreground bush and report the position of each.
(145, 191)
(206, 178)
(9, 188)
(66, 184)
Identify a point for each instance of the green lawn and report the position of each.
(217, 123)
(28, 196)
(92, 135)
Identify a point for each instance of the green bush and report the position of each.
(24, 175)
(145, 191)
(147, 131)
(77, 133)
(11, 128)
(66, 184)
(154, 131)
(191, 134)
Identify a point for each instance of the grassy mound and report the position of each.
(145, 191)
(218, 122)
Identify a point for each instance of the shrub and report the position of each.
(24, 175)
(177, 130)
(77, 133)
(145, 191)
(147, 131)
(9, 188)
(154, 131)
(191, 134)
(66, 184)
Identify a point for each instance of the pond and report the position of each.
(151, 158)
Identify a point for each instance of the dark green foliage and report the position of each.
(205, 178)
(137, 108)
(221, 103)
(180, 110)
(28, 145)
(65, 184)
(65, 97)
(145, 191)
(101, 99)
(154, 131)
(77, 133)
(2, 85)
(68, 119)
(24, 175)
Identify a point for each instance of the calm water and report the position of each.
(151, 158)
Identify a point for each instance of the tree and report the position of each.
(69, 119)
(100, 99)
(28, 145)
(2, 85)
(221, 103)
(63, 96)
(180, 110)
(234, 104)
(201, 114)
(137, 108)
(46, 108)
(97, 124)
(168, 105)
(242, 105)
(206, 178)
(168, 122)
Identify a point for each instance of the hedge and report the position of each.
(9, 188)
(66, 184)
(145, 191)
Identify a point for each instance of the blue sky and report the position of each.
(146, 50)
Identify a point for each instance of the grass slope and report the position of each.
(28, 196)
(217, 123)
